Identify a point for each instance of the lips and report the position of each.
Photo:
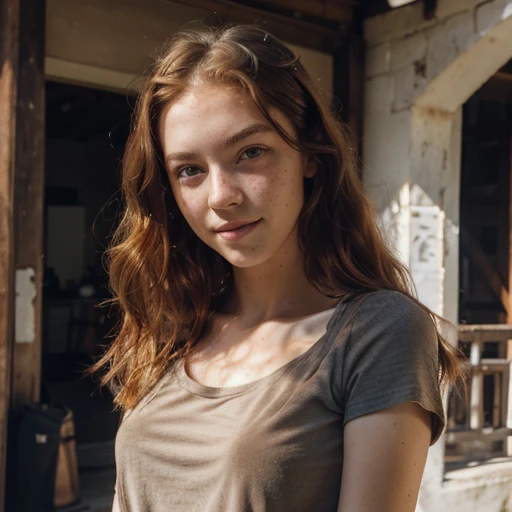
(231, 226)
(232, 231)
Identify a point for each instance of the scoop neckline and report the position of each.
(199, 389)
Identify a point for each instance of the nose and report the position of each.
(224, 191)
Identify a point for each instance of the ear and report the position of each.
(310, 166)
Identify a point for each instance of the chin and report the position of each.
(244, 260)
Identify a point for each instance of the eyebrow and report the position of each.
(230, 141)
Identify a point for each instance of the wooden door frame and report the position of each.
(22, 28)
(28, 204)
(9, 30)
(508, 353)
(348, 89)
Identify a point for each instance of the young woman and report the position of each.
(271, 356)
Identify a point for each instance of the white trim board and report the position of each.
(91, 76)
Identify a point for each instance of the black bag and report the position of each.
(36, 436)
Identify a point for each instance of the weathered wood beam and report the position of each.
(339, 11)
(481, 333)
(508, 352)
(9, 32)
(348, 77)
(497, 89)
(287, 28)
(28, 203)
(509, 310)
(374, 7)
(503, 76)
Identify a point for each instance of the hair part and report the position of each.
(165, 281)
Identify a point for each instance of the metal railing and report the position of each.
(481, 426)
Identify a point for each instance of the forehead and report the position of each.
(199, 103)
(211, 111)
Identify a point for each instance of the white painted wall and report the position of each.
(418, 74)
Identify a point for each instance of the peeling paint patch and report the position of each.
(420, 67)
(25, 325)
(426, 256)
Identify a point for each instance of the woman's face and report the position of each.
(237, 183)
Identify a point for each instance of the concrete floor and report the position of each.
(97, 486)
(96, 491)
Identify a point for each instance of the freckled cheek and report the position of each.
(192, 208)
(263, 190)
(277, 189)
(285, 187)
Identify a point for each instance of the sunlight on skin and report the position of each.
(257, 179)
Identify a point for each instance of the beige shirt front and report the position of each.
(276, 444)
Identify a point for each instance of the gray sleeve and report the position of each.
(391, 357)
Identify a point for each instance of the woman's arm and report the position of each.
(384, 458)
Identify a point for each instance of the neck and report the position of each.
(276, 289)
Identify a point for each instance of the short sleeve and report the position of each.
(392, 357)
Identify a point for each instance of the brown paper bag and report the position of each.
(66, 478)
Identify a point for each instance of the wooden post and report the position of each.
(508, 403)
(509, 315)
(508, 414)
(505, 397)
(497, 405)
(21, 200)
(28, 204)
(9, 32)
(476, 420)
(348, 76)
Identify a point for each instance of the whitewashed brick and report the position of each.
(447, 40)
(446, 8)
(406, 51)
(386, 156)
(408, 85)
(395, 24)
(490, 14)
(377, 60)
(378, 95)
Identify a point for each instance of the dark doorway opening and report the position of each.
(86, 131)
(485, 274)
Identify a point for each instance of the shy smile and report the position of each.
(236, 233)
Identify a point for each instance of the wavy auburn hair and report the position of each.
(165, 281)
